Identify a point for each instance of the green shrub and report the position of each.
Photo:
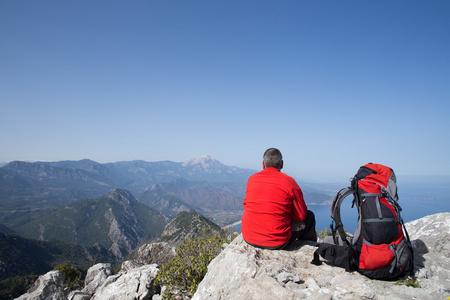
(72, 276)
(182, 274)
(322, 234)
(326, 232)
(411, 282)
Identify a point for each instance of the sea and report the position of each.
(417, 198)
(412, 209)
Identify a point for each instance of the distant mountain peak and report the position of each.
(121, 196)
(206, 160)
(119, 192)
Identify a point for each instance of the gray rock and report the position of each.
(129, 265)
(245, 272)
(77, 295)
(48, 286)
(152, 253)
(430, 237)
(130, 284)
(95, 277)
(285, 277)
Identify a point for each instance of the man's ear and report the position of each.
(281, 165)
(264, 165)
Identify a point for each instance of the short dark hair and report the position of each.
(273, 158)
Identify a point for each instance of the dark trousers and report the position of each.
(301, 230)
(305, 230)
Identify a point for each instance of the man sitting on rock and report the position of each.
(275, 212)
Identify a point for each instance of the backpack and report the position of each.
(380, 248)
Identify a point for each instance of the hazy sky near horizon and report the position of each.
(332, 84)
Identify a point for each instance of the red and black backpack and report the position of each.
(380, 247)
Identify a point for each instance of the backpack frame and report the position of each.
(380, 247)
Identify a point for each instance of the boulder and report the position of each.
(242, 271)
(77, 295)
(129, 284)
(96, 276)
(152, 253)
(48, 286)
(430, 237)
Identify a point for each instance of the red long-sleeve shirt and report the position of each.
(273, 199)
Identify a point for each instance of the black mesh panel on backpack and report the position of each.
(379, 222)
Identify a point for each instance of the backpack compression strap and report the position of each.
(336, 213)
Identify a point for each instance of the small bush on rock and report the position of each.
(182, 274)
(72, 276)
(326, 232)
(411, 282)
(322, 234)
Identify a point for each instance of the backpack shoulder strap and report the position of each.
(336, 213)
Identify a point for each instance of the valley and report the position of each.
(84, 211)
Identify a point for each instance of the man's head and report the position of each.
(272, 158)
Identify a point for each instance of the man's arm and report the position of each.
(299, 208)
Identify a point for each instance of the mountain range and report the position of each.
(84, 211)
(38, 199)
(31, 190)
(115, 221)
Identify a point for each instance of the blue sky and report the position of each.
(332, 84)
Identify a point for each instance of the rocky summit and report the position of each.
(245, 272)
(241, 271)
